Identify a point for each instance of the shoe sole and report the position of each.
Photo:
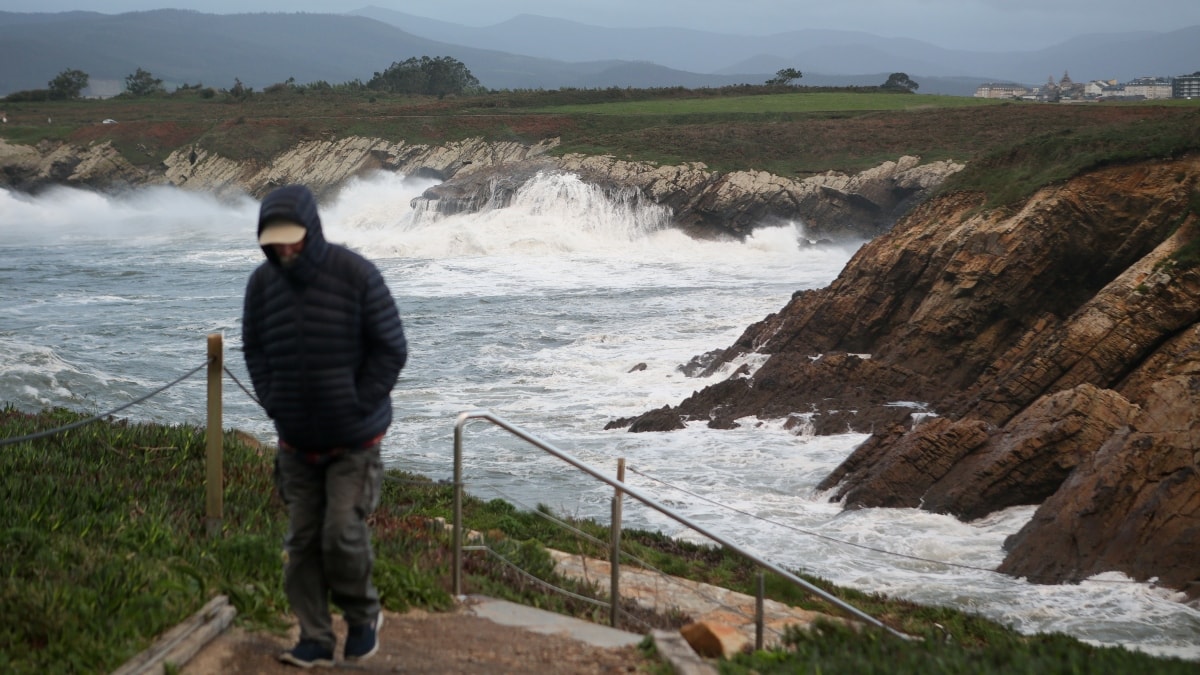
(375, 649)
(287, 657)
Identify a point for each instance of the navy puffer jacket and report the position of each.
(323, 340)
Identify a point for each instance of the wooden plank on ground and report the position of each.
(181, 643)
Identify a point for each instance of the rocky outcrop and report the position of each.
(712, 204)
(26, 167)
(1058, 345)
(323, 165)
(478, 175)
(969, 468)
(326, 165)
(1133, 504)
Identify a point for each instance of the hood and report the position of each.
(297, 204)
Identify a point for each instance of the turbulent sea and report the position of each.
(542, 313)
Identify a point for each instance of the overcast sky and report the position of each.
(961, 24)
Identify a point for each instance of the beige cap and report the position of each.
(281, 233)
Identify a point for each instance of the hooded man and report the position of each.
(324, 346)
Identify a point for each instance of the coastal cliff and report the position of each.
(475, 173)
(1045, 354)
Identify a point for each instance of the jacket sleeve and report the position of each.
(252, 345)
(386, 349)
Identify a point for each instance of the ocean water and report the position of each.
(559, 313)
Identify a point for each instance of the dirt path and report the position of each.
(421, 642)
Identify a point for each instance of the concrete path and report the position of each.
(508, 613)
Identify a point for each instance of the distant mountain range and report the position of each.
(532, 52)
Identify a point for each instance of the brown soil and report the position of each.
(421, 642)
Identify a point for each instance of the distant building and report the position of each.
(1186, 86)
(1048, 92)
(1099, 88)
(1000, 90)
(1068, 88)
(1149, 87)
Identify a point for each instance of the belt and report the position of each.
(324, 456)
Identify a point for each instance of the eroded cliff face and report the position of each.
(26, 168)
(712, 204)
(327, 165)
(1059, 347)
(478, 174)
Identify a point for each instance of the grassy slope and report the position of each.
(104, 547)
(790, 134)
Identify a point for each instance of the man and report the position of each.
(324, 345)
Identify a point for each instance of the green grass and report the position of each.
(104, 542)
(104, 547)
(1188, 255)
(950, 641)
(762, 104)
(1012, 174)
(833, 648)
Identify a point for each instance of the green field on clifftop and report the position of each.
(763, 104)
(795, 133)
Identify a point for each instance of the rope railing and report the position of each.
(643, 564)
(245, 390)
(95, 418)
(214, 442)
(621, 489)
(549, 586)
(540, 582)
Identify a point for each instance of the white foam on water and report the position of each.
(541, 312)
(147, 216)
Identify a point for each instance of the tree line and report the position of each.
(895, 82)
(437, 76)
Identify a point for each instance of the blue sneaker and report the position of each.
(308, 653)
(362, 641)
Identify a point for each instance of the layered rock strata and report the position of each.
(1056, 342)
(478, 174)
(712, 204)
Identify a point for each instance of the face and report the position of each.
(288, 253)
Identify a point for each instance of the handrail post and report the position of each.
(214, 483)
(646, 500)
(458, 494)
(758, 611)
(614, 554)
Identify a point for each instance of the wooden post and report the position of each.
(458, 516)
(214, 485)
(614, 555)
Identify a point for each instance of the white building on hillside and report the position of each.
(1098, 88)
(1150, 87)
(1000, 90)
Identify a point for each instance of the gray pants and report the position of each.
(328, 552)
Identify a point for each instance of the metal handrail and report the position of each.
(486, 415)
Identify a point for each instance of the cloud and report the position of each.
(969, 24)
